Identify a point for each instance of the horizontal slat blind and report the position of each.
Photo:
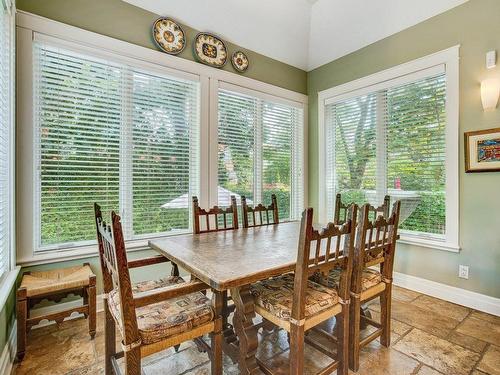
(78, 117)
(165, 149)
(238, 123)
(391, 142)
(260, 151)
(416, 121)
(113, 134)
(5, 137)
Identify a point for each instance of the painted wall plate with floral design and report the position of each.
(239, 61)
(210, 50)
(169, 36)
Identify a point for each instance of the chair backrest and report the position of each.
(375, 243)
(215, 219)
(260, 215)
(321, 251)
(342, 209)
(116, 276)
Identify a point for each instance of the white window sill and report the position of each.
(6, 285)
(429, 243)
(81, 252)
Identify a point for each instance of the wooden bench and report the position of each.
(54, 285)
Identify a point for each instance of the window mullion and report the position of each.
(126, 155)
(382, 119)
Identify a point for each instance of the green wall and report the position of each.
(474, 25)
(123, 21)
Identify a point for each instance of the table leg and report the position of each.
(245, 329)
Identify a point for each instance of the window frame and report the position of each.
(30, 27)
(446, 61)
(9, 276)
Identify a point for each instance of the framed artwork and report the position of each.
(210, 50)
(169, 36)
(482, 151)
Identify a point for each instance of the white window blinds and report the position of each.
(115, 134)
(260, 144)
(6, 135)
(391, 141)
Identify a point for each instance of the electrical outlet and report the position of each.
(463, 272)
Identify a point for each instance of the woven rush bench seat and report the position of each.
(45, 282)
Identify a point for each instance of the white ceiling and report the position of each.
(302, 33)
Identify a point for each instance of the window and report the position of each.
(138, 131)
(391, 138)
(115, 134)
(260, 151)
(6, 136)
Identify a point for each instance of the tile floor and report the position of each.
(429, 337)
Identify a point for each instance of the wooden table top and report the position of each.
(234, 258)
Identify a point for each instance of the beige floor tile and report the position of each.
(468, 342)
(490, 363)
(437, 353)
(397, 327)
(488, 317)
(377, 360)
(314, 361)
(58, 350)
(403, 294)
(415, 316)
(441, 307)
(179, 363)
(425, 370)
(480, 329)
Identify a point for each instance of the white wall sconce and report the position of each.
(490, 91)
(490, 88)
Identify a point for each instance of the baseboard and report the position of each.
(62, 306)
(9, 352)
(449, 293)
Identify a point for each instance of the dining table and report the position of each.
(232, 260)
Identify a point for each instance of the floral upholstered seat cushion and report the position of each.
(369, 278)
(276, 296)
(144, 286)
(168, 318)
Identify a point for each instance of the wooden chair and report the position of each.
(54, 285)
(375, 246)
(214, 216)
(152, 320)
(217, 219)
(342, 209)
(297, 304)
(260, 209)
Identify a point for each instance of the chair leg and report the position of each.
(297, 337)
(354, 326)
(342, 330)
(109, 339)
(133, 362)
(385, 315)
(92, 306)
(22, 316)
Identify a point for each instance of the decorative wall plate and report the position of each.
(210, 50)
(169, 36)
(239, 61)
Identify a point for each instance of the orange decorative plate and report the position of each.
(169, 36)
(239, 61)
(210, 50)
